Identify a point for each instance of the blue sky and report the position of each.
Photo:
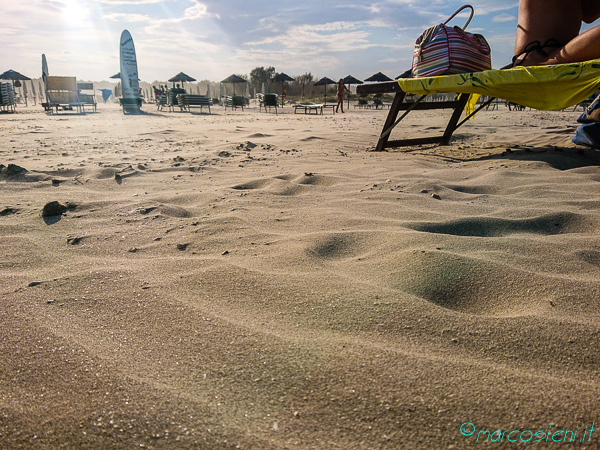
(212, 39)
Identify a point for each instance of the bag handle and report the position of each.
(459, 10)
(471, 38)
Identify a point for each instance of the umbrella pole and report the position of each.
(348, 99)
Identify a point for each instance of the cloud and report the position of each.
(311, 36)
(504, 17)
(484, 7)
(124, 17)
(131, 2)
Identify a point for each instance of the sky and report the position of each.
(212, 39)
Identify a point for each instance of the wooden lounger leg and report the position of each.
(462, 101)
(391, 118)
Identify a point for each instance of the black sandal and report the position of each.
(535, 46)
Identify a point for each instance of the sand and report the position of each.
(249, 280)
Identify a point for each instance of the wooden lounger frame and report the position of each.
(398, 105)
(308, 108)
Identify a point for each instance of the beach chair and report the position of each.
(161, 101)
(539, 87)
(234, 102)
(377, 103)
(267, 101)
(362, 103)
(62, 93)
(187, 101)
(168, 99)
(87, 98)
(316, 108)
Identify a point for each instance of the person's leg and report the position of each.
(541, 20)
(582, 48)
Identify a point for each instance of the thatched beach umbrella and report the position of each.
(351, 80)
(234, 79)
(378, 78)
(181, 78)
(282, 77)
(13, 76)
(324, 82)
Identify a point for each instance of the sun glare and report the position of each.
(73, 12)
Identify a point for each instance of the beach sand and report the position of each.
(249, 280)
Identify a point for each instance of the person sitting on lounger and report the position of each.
(548, 32)
(341, 88)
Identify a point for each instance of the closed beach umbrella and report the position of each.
(33, 93)
(351, 80)
(25, 92)
(234, 79)
(378, 78)
(324, 82)
(45, 71)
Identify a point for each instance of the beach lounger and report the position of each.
(87, 98)
(362, 103)
(540, 87)
(161, 101)
(309, 108)
(8, 101)
(168, 99)
(187, 101)
(267, 101)
(377, 103)
(62, 93)
(234, 102)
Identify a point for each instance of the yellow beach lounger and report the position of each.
(540, 87)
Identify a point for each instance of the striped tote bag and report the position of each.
(443, 50)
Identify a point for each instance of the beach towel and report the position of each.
(540, 87)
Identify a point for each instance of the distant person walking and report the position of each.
(341, 88)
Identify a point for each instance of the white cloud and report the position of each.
(123, 17)
(504, 17)
(131, 2)
(308, 37)
(484, 7)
